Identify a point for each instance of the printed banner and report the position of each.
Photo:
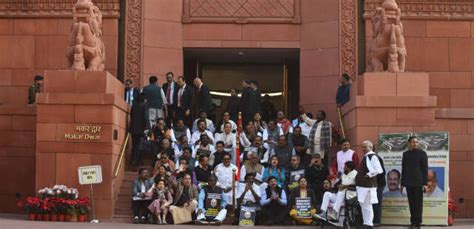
(247, 216)
(395, 209)
(303, 207)
(213, 203)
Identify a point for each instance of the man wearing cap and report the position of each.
(36, 87)
(343, 91)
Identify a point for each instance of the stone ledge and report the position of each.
(390, 102)
(454, 113)
(81, 99)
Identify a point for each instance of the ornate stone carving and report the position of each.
(242, 11)
(429, 9)
(387, 51)
(133, 43)
(86, 50)
(348, 39)
(53, 8)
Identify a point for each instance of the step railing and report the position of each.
(120, 160)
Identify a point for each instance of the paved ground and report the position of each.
(19, 222)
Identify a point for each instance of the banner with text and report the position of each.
(395, 209)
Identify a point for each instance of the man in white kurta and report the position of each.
(223, 173)
(366, 182)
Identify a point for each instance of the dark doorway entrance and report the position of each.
(275, 70)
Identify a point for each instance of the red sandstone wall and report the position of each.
(319, 57)
(444, 49)
(29, 47)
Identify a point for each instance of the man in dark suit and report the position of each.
(171, 91)
(203, 99)
(247, 102)
(258, 96)
(131, 93)
(415, 179)
(184, 101)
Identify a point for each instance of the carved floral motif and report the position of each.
(133, 45)
(348, 39)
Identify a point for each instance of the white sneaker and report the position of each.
(321, 215)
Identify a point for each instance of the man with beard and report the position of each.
(273, 203)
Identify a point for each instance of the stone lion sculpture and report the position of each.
(86, 50)
(387, 51)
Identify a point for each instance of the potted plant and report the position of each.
(45, 209)
(53, 210)
(71, 210)
(82, 207)
(31, 206)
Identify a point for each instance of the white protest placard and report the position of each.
(90, 174)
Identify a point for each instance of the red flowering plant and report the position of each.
(32, 205)
(45, 206)
(82, 205)
(60, 205)
(71, 206)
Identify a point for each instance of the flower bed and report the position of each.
(59, 203)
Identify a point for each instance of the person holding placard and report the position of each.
(302, 201)
(211, 204)
(248, 197)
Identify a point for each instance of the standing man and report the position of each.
(171, 90)
(258, 96)
(381, 183)
(366, 182)
(156, 100)
(131, 93)
(415, 179)
(320, 136)
(184, 101)
(247, 102)
(36, 87)
(203, 98)
(343, 91)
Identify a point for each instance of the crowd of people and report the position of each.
(252, 161)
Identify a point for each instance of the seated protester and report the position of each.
(275, 170)
(262, 153)
(162, 201)
(203, 148)
(163, 174)
(248, 194)
(344, 155)
(226, 119)
(180, 145)
(166, 149)
(283, 151)
(216, 156)
(179, 130)
(271, 134)
(302, 191)
(337, 199)
(300, 143)
(200, 131)
(185, 201)
(316, 173)
(140, 199)
(273, 203)
(248, 135)
(228, 138)
(169, 165)
(188, 156)
(211, 203)
(182, 170)
(223, 172)
(203, 117)
(284, 123)
(305, 128)
(159, 132)
(294, 172)
(252, 167)
(203, 171)
(259, 124)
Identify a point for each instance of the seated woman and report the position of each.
(165, 162)
(273, 203)
(162, 201)
(302, 191)
(212, 206)
(185, 201)
(163, 174)
(347, 180)
(275, 170)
